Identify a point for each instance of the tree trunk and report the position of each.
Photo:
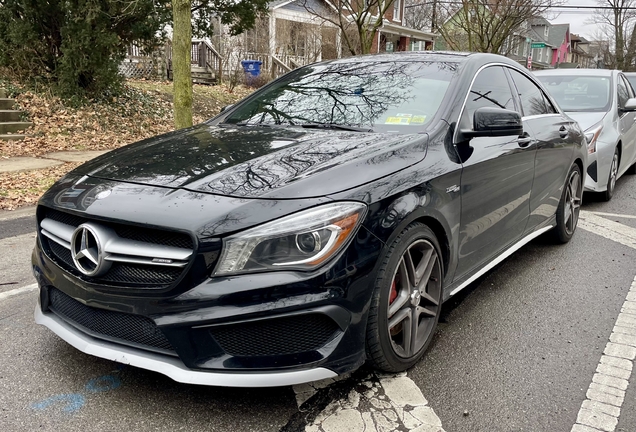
(619, 45)
(181, 56)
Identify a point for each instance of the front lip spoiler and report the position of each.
(170, 366)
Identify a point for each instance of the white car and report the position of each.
(604, 104)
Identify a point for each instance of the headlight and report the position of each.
(591, 135)
(301, 241)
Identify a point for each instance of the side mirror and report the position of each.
(495, 122)
(226, 107)
(630, 105)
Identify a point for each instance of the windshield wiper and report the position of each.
(334, 126)
(267, 125)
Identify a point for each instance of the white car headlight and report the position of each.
(301, 241)
(591, 135)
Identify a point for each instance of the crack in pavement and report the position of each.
(364, 401)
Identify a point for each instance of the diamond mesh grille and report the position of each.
(280, 336)
(125, 328)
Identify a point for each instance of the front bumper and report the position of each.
(172, 366)
(207, 326)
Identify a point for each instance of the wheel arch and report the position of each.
(436, 223)
(579, 162)
(442, 238)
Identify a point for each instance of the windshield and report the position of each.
(387, 96)
(579, 93)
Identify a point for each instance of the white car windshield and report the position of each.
(579, 93)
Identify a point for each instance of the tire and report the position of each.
(393, 343)
(613, 175)
(567, 215)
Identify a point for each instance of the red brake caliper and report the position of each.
(393, 294)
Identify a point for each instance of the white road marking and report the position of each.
(614, 215)
(606, 393)
(14, 292)
(609, 229)
(378, 403)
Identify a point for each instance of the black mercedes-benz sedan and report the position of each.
(316, 225)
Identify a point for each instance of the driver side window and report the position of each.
(623, 93)
(490, 89)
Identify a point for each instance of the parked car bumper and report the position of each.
(312, 328)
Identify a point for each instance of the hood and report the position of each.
(586, 119)
(258, 162)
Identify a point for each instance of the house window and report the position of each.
(516, 46)
(397, 8)
(540, 55)
(545, 31)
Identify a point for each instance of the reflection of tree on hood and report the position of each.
(274, 170)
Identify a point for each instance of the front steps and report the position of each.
(10, 119)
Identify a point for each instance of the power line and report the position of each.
(551, 8)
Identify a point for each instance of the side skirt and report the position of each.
(501, 257)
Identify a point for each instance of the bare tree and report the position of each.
(617, 19)
(421, 14)
(484, 25)
(357, 20)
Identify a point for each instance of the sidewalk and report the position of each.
(23, 179)
(15, 164)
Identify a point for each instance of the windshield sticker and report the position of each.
(398, 120)
(404, 115)
(418, 120)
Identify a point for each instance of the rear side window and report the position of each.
(490, 89)
(533, 101)
(632, 80)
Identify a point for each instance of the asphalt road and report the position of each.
(516, 351)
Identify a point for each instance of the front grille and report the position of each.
(138, 274)
(146, 235)
(62, 254)
(279, 336)
(121, 273)
(125, 328)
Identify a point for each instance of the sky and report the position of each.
(579, 19)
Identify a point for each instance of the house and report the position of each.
(295, 33)
(580, 56)
(550, 43)
(395, 36)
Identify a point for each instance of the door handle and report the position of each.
(563, 132)
(524, 141)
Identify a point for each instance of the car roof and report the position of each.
(431, 56)
(581, 72)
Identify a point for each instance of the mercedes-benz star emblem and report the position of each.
(86, 251)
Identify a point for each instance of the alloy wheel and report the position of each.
(414, 299)
(572, 206)
(613, 172)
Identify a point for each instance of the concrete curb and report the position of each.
(17, 214)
